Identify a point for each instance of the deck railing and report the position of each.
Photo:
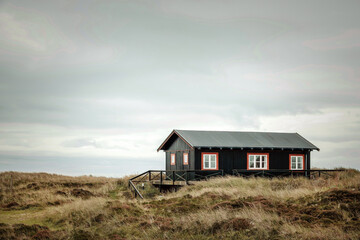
(285, 172)
(175, 178)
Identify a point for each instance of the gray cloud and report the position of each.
(89, 74)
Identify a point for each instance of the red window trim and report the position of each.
(302, 155)
(248, 159)
(187, 158)
(217, 161)
(171, 163)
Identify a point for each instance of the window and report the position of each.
(297, 162)
(209, 161)
(258, 161)
(172, 159)
(185, 159)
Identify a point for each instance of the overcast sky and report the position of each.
(94, 87)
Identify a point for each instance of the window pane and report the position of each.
(206, 164)
(263, 163)
(257, 161)
(213, 161)
(251, 161)
(185, 158)
(252, 164)
(213, 164)
(206, 156)
(293, 159)
(300, 163)
(293, 165)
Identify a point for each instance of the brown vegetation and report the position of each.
(48, 206)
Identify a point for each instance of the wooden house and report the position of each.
(236, 151)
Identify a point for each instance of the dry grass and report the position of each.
(41, 189)
(59, 207)
(275, 188)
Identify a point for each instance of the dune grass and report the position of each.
(48, 206)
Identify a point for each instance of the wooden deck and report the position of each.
(169, 182)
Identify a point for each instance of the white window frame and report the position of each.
(172, 159)
(187, 158)
(261, 160)
(209, 159)
(298, 159)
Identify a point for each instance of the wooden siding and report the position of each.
(178, 147)
(237, 159)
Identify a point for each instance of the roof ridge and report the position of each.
(180, 135)
(232, 131)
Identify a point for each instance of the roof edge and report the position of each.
(249, 147)
(315, 147)
(170, 135)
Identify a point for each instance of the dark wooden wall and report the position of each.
(237, 159)
(179, 147)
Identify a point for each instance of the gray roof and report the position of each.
(226, 139)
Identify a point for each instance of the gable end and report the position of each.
(171, 139)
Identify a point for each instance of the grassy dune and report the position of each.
(48, 206)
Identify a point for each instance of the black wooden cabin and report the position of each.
(245, 152)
